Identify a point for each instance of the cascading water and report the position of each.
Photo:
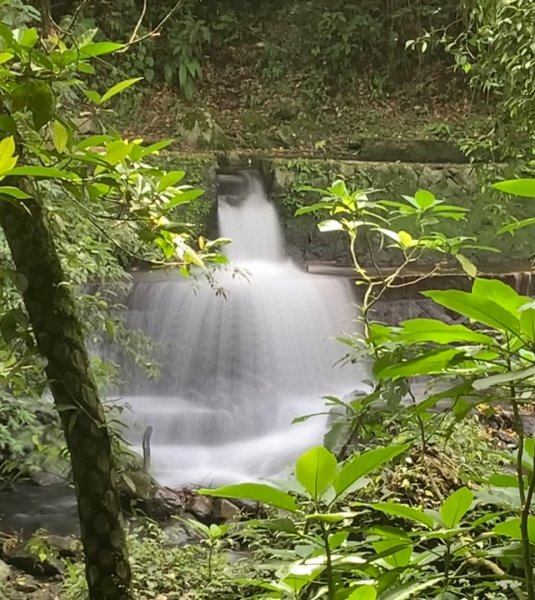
(236, 370)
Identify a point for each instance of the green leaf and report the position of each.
(516, 225)
(41, 102)
(517, 187)
(182, 198)
(170, 179)
(60, 136)
(468, 266)
(93, 96)
(433, 330)
(430, 363)
(405, 239)
(7, 124)
(8, 190)
(502, 378)
(410, 590)
(500, 293)
(156, 147)
(330, 225)
(364, 592)
(424, 199)
(28, 37)
(396, 551)
(511, 529)
(455, 507)
(527, 323)
(311, 208)
(476, 308)
(315, 470)
(85, 67)
(5, 56)
(46, 172)
(362, 464)
(7, 150)
(405, 512)
(118, 88)
(100, 48)
(255, 491)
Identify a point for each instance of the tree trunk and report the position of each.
(59, 336)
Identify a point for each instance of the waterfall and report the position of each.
(236, 370)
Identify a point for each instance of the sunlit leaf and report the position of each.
(433, 330)
(170, 179)
(430, 363)
(60, 136)
(477, 308)
(258, 492)
(100, 48)
(364, 592)
(118, 88)
(456, 506)
(517, 187)
(7, 158)
(315, 470)
(468, 266)
(330, 225)
(424, 199)
(360, 465)
(503, 378)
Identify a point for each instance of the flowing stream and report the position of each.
(236, 370)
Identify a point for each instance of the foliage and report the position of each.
(494, 48)
(342, 38)
(336, 546)
(161, 568)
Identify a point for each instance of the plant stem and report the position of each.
(525, 499)
(329, 568)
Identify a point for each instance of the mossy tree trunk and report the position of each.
(59, 336)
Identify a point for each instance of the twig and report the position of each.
(154, 32)
(139, 21)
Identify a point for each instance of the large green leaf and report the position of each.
(517, 187)
(500, 293)
(410, 590)
(527, 323)
(360, 465)
(364, 592)
(477, 308)
(433, 330)
(405, 512)
(503, 378)
(511, 529)
(315, 470)
(258, 492)
(430, 363)
(45, 172)
(455, 507)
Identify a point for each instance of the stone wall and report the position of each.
(464, 185)
(460, 184)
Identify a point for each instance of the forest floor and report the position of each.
(236, 107)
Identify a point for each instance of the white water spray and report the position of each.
(237, 371)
